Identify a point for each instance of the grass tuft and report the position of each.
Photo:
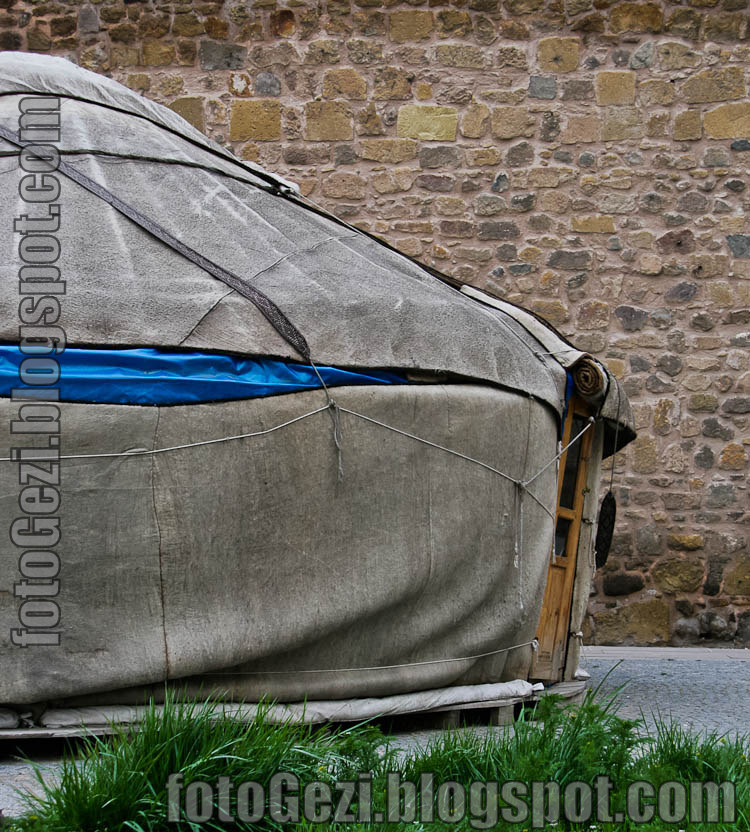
(118, 784)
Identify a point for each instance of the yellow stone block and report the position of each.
(344, 83)
(615, 88)
(559, 54)
(410, 25)
(191, 109)
(257, 119)
(511, 122)
(729, 121)
(426, 122)
(389, 150)
(327, 121)
(687, 126)
(602, 224)
(582, 129)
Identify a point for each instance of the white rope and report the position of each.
(572, 442)
(173, 447)
(431, 444)
(330, 406)
(519, 483)
(534, 644)
(333, 409)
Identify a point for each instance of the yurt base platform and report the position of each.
(505, 712)
(446, 708)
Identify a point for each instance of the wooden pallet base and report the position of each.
(504, 713)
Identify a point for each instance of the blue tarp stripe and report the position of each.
(149, 376)
(569, 390)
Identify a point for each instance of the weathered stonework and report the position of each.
(588, 160)
(258, 119)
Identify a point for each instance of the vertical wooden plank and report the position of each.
(502, 715)
(585, 566)
(554, 622)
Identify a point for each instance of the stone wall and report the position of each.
(588, 159)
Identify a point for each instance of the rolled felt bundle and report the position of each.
(588, 377)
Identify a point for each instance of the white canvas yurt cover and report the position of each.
(292, 462)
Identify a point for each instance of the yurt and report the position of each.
(252, 452)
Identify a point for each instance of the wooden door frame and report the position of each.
(553, 630)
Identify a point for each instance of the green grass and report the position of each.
(120, 783)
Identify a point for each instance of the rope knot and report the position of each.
(337, 435)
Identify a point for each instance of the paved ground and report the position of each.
(702, 689)
(706, 690)
(19, 775)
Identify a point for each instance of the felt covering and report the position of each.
(235, 566)
(225, 563)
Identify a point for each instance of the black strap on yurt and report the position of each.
(264, 304)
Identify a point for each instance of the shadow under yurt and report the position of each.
(292, 462)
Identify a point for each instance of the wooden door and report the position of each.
(554, 622)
